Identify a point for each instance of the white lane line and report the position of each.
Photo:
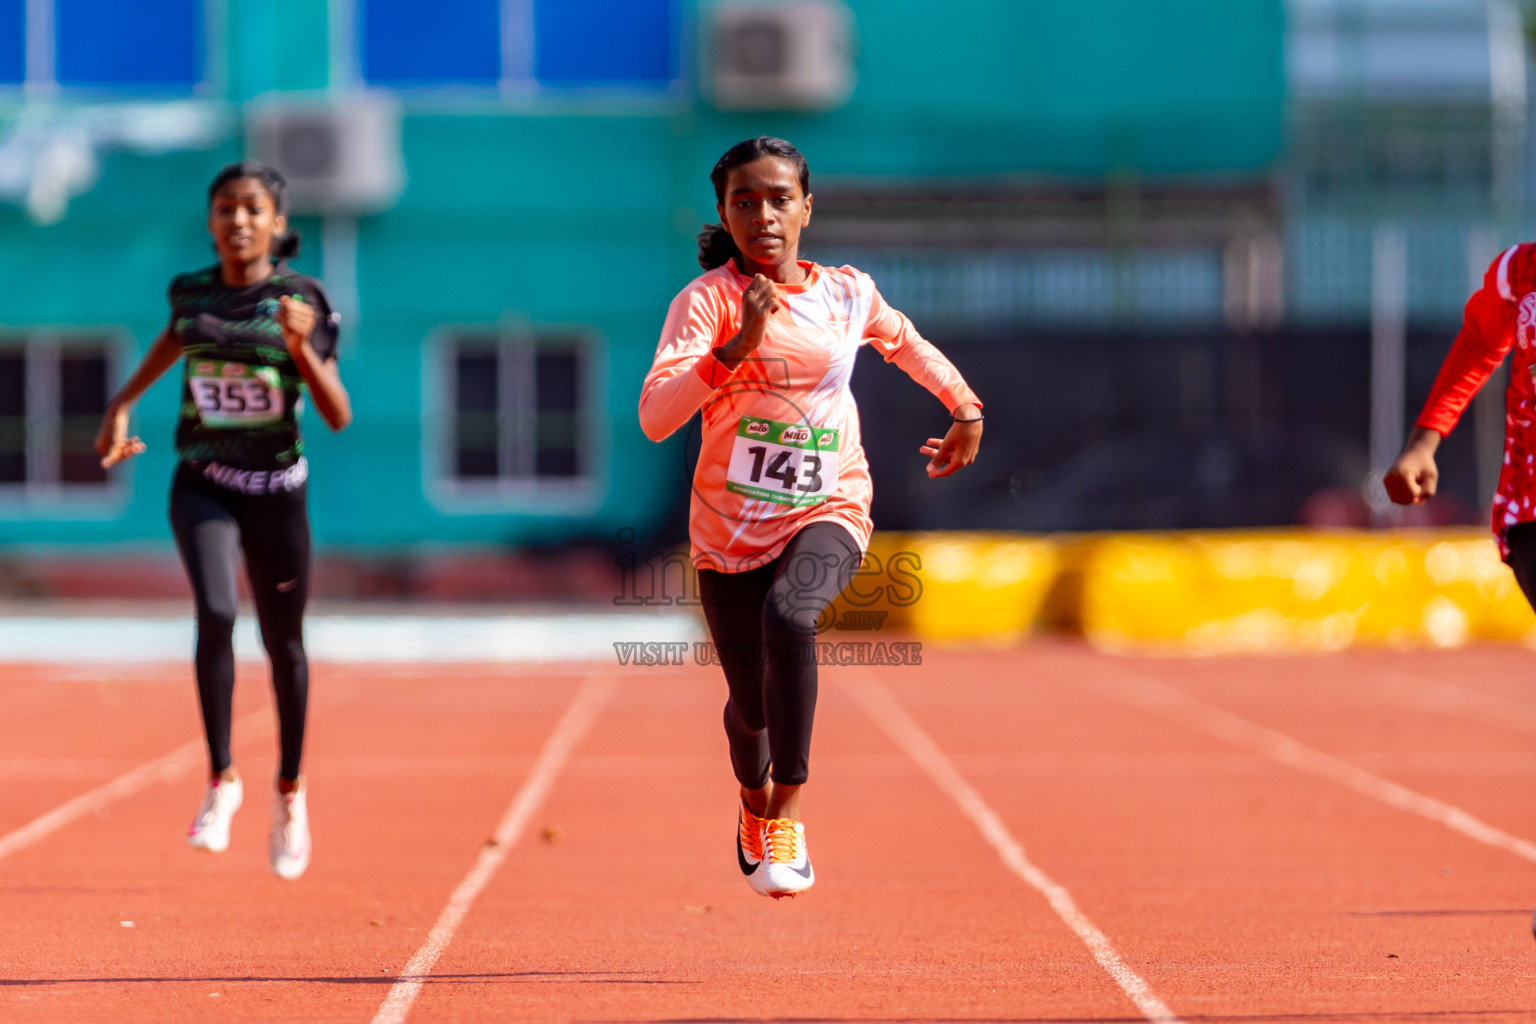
(578, 718)
(1173, 703)
(910, 737)
(162, 769)
(60, 769)
(1444, 698)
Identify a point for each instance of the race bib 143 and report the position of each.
(785, 463)
(236, 394)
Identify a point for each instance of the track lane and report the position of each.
(389, 846)
(638, 912)
(1507, 671)
(1234, 886)
(1375, 718)
(880, 705)
(569, 731)
(1237, 888)
(118, 723)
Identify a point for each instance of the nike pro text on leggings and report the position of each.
(763, 622)
(213, 526)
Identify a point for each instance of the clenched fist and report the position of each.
(297, 319)
(1413, 477)
(758, 304)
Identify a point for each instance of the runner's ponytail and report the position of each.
(716, 247)
(286, 245)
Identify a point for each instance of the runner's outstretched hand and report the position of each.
(112, 441)
(1413, 477)
(957, 448)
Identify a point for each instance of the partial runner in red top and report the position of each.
(1499, 316)
(763, 344)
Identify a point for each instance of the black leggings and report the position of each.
(763, 622)
(213, 525)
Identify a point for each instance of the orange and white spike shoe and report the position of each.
(786, 868)
(749, 842)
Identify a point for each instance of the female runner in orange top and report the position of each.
(764, 343)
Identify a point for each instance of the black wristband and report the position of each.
(976, 419)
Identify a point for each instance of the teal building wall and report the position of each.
(578, 208)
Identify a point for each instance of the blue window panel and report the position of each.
(604, 42)
(445, 42)
(13, 42)
(146, 44)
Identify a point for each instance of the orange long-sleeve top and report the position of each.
(1498, 317)
(781, 437)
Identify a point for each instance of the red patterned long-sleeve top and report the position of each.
(1499, 316)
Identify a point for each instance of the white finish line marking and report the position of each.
(163, 769)
(1173, 703)
(578, 718)
(910, 737)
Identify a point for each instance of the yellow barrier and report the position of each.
(1212, 592)
(979, 587)
(982, 588)
(1296, 590)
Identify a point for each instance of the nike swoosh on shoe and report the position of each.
(746, 869)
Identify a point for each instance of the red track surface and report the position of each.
(1238, 888)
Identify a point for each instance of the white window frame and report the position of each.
(517, 342)
(42, 494)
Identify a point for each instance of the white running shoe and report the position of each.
(210, 829)
(288, 842)
(786, 868)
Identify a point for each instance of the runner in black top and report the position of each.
(252, 332)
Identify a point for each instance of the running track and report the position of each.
(1039, 834)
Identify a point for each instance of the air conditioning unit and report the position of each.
(338, 156)
(790, 55)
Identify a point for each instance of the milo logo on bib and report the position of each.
(794, 435)
(784, 463)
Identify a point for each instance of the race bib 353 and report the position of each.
(236, 394)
